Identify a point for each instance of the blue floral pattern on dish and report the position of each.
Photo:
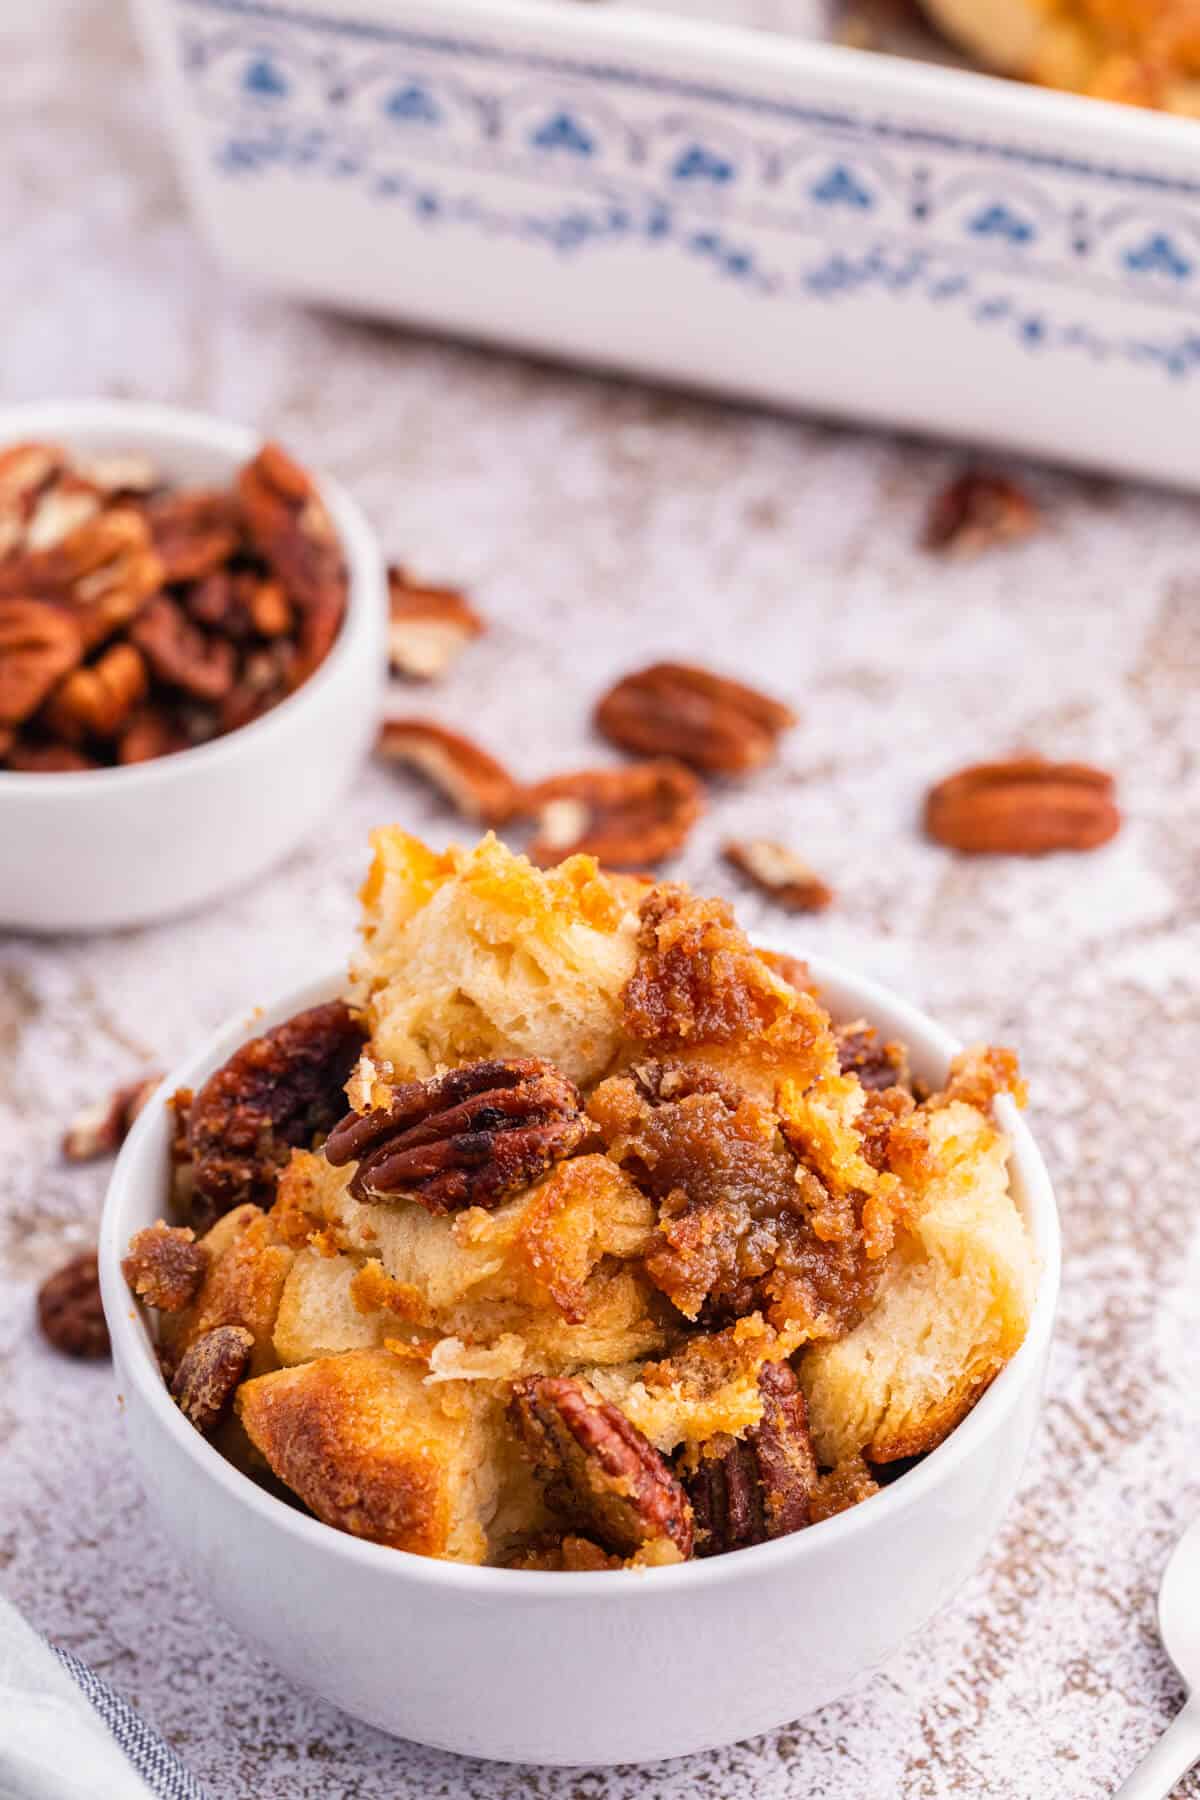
(786, 198)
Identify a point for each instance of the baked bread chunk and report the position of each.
(479, 954)
(372, 1446)
(951, 1309)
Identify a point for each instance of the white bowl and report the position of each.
(587, 1668)
(112, 847)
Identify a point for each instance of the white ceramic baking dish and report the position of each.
(802, 224)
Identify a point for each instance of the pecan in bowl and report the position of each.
(206, 648)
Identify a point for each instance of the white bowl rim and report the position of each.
(151, 424)
(912, 1488)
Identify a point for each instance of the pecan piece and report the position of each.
(878, 1065)
(675, 710)
(600, 1471)
(46, 759)
(290, 528)
(181, 654)
(428, 627)
(625, 818)
(208, 1374)
(976, 511)
(65, 505)
(780, 873)
(165, 1266)
(194, 533)
(470, 1137)
(1025, 807)
(97, 701)
(38, 645)
(746, 1490)
(26, 472)
(100, 1129)
(69, 1309)
(150, 732)
(279, 1092)
(467, 776)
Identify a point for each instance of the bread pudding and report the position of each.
(578, 1234)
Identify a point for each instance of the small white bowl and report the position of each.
(588, 1668)
(113, 847)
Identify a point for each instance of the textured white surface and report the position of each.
(598, 525)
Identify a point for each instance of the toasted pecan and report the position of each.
(600, 1472)
(977, 511)
(208, 1373)
(101, 1128)
(626, 817)
(469, 1137)
(279, 1092)
(38, 645)
(428, 627)
(747, 1490)
(679, 711)
(69, 1309)
(1024, 807)
(779, 873)
(467, 776)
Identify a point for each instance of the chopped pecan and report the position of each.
(289, 527)
(264, 678)
(69, 1309)
(239, 605)
(746, 1490)
(977, 510)
(194, 533)
(675, 710)
(118, 473)
(470, 1137)
(208, 1374)
(26, 472)
(780, 873)
(600, 1471)
(1025, 807)
(877, 1064)
(100, 1129)
(278, 1092)
(428, 627)
(467, 776)
(626, 817)
(96, 701)
(66, 504)
(46, 759)
(38, 645)
(165, 1266)
(150, 732)
(181, 654)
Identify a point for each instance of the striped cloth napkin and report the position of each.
(65, 1735)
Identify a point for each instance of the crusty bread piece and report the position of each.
(553, 1266)
(952, 1308)
(479, 954)
(374, 1448)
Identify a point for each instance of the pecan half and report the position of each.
(470, 1137)
(746, 1490)
(675, 710)
(290, 528)
(626, 818)
(194, 533)
(38, 645)
(877, 1064)
(1024, 807)
(780, 873)
(279, 1092)
(100, 1129)
(69, 1309)
(428, 627)
(208, 1374)
(97, 701)
(977, 511)
(181, 654)
(467, 776)
(165, 1266)
(600, 1471)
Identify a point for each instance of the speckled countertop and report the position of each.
(597, 524)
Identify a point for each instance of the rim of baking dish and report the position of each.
(154, 428)
(128, 1328)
